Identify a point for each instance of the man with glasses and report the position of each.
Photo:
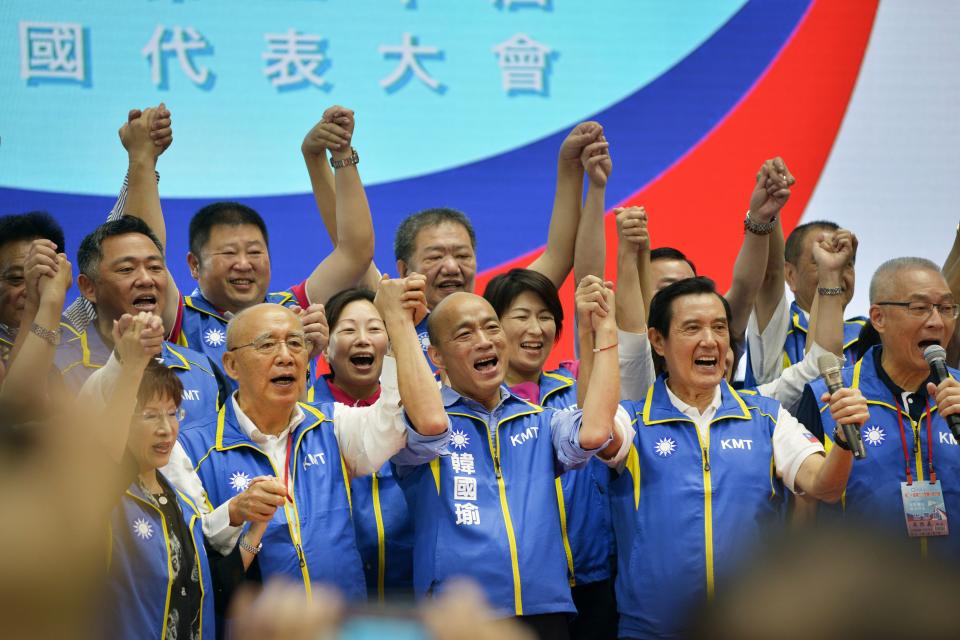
(313, 450)
(909, 482)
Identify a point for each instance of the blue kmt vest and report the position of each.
(140, 579)
(488, 510)
(203, 328)
(383, 524)
(873, 490)
(685, 510)
(312, 538)
(795, 345)
(584, 496)
(83, 352)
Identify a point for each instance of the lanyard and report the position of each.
(903, 442)
(286, 463)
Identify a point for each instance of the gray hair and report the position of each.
(882, 281)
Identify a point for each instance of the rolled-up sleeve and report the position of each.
(369, 436)
(636, 365)
(421, 449)
(565, 433)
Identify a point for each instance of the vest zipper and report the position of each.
(706, 459)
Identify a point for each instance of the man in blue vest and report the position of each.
(484, 503)
(910, 448)
(707, 467)
(777, 331)
(313, 449)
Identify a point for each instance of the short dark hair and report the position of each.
(228, 213)
(406, 238)
(339, 301)
(669, 253)
(158, 380)
(90, 252)
(503, 289)
(794, 244)
(30, 226)
(661, 307)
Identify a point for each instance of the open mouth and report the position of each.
(450, 285)
(241, 283)
(706, 364)
(163, 448)
(535, 347)
(362, 360)
(923, 344)
(145, 302)
(282, 381)
(486, 365)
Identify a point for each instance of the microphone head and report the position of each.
(934, 353)
(828, 363)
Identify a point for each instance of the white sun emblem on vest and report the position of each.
(874, 436)
(239, 481)
(214, 337)
(143, 529)
(424, 340)
(459, 439)
(665, 447)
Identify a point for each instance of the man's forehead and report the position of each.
(443, 234)
(14, 253)
(918, 282)
(698, 306)
(235, 234)
(129, 245)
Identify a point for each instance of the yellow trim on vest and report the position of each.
(435, 469)
(381, 539)
(184, 364)
(633, 466)
(188, 302)
(568, 382)
(196, 556)
(707, 512)
(504, 505)
(563, 532)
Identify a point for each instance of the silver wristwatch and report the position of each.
(249, 548)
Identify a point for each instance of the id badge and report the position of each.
(924, 509)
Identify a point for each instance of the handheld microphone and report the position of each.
(829, 366)
(936, 357)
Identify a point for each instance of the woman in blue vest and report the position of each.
(358, 342)
(161, 584)
(531, 315)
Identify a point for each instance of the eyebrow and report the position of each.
(153, 256)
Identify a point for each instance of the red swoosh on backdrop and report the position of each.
(794, 111)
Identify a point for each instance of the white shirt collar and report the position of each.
(251, 430)
(690, 410)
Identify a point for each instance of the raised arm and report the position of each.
(833, 252)
(762, 199)
(557, 260)
(636, 362)
(140, 138)
(402, 304)
(39, 335)
(590, 252)
(352, 228)
(770, 193)
(601, 399)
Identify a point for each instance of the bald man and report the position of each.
(484, 502)
(312, 450)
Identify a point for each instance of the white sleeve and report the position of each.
(369, 436)
(766, 349)
(97, 389)
(216, 523)
(636, 365)
(788, 388)
(792, 444)
(622, 423)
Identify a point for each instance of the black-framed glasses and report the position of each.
(924, 309)
(268, 345)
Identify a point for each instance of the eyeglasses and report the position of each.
(268, 345)
(154, 418)
(924, 309)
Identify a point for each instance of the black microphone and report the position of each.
(936, 357)
(829, 366)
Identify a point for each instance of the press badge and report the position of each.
(924, 508)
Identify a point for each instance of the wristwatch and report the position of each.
(249, 548)
(829, 291)
(837, 439)
(52, 337)
(759, 228)
(346, 162)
